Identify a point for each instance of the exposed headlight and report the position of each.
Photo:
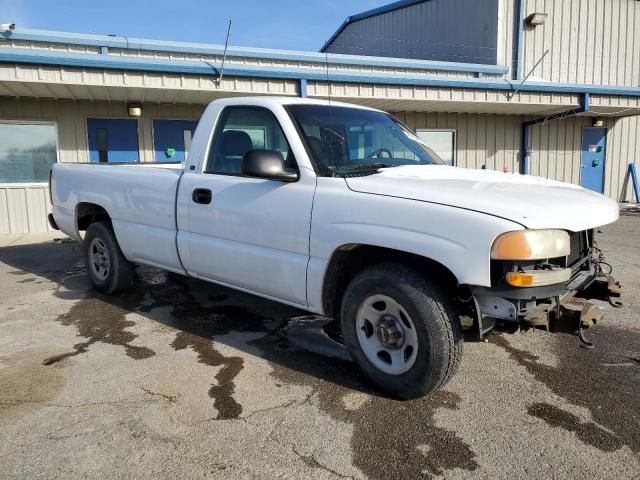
(531, 245)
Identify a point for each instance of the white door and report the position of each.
(247, 232)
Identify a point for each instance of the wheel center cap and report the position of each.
(389, 332)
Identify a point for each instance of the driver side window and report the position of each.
(240, 130)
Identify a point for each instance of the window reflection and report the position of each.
(27, 152)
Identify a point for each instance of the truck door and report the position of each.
(249, 233)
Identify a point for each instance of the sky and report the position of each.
(284, 24)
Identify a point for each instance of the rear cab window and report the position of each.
(240, 130)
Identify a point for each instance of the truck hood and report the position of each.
(533, 202)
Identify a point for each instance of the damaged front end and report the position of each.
(542, 292)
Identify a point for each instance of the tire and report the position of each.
(109, 271)
(418, 339)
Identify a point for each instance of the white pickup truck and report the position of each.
(342, 211)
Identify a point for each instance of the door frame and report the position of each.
(606, 150)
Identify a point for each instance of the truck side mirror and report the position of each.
(267, 164)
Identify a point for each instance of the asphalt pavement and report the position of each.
(181, 379)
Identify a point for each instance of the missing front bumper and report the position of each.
(546, 306)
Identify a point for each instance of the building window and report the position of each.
(27, 151)
(443, 142)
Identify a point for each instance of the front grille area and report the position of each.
(580, 246)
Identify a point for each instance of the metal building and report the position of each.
(423, 29)
(96, 98)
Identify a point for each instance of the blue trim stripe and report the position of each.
(261, 53)
(79, 60)
(368, 14)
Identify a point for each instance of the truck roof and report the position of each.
(264, 100)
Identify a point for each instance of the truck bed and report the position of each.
(141, 200)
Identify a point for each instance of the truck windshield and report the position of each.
(346, 141)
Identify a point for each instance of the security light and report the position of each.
(6, 27)
(134, 110)
(598, 122)
(536, 19)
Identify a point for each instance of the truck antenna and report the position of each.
(224, 55)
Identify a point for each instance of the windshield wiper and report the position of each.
(367, 166)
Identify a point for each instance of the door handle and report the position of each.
(202, 196)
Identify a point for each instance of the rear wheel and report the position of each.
(108, 269)
(401, 330)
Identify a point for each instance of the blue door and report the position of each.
(594, 142)
(113, 140)
(172, 139)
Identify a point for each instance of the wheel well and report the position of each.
(88, 213)
(349, 260)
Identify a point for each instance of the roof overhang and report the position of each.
(128, 63)
(77, 84)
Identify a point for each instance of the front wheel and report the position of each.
(108, 269)
(401, 330)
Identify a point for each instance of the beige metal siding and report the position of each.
(24, 209)
(556, 149)
(491, 140)
(589, 41)
(506, 25)
(402, 97)
(623, 148)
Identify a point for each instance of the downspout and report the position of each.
(521, 6)
(526, 150)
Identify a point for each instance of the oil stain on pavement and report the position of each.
(588, 432)
(198, 326)
(26, 384)
(602, 380)
(391, 438)
(102, 321)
